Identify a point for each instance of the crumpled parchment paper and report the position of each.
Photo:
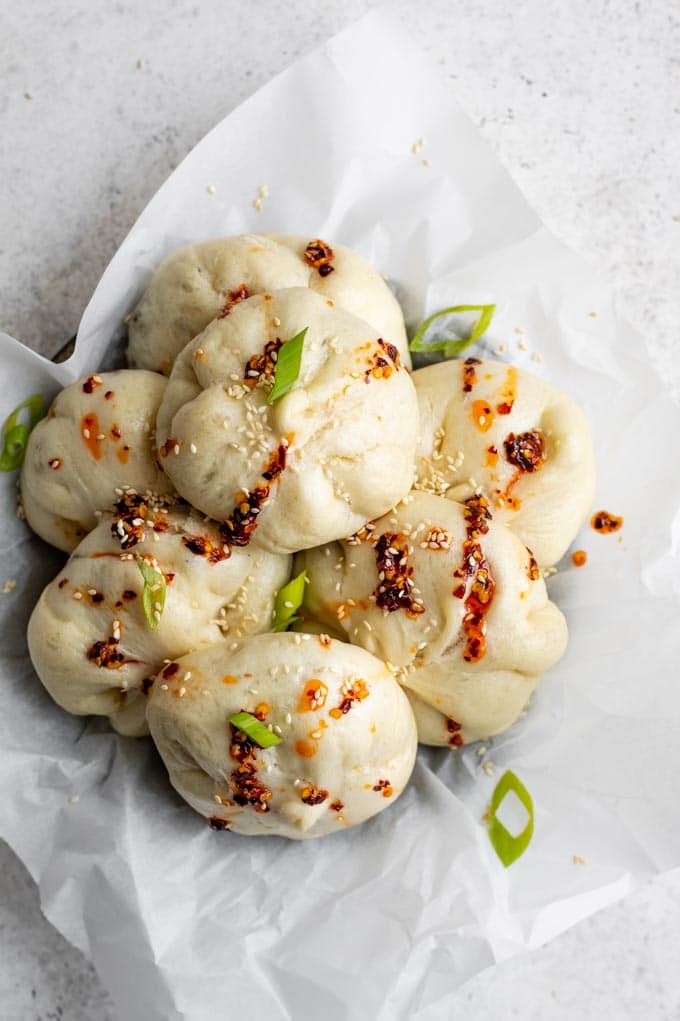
(384, 921)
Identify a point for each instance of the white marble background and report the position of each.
(581, 100)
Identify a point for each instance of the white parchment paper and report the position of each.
(385, 921)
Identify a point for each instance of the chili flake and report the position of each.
(605, 523)
(91, 383)
(526, 451)
(312, 795)
(248, 789)
(216, 823)
(395, 586)
(533, 572)
(476, 567)
(233, 298)
(470, 373)
(106, 654)
(262, 367)
(384, 787)
(319, 256)
(454, 728)
(237, 530)
(202, 546)
(352, 692)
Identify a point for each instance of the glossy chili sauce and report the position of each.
(238, 529)
(605, 523)
(526, 453)
(395, 585)
(475, 567)
(247, 788)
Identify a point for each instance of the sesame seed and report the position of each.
(211, 189)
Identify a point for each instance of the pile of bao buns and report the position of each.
(424, 507)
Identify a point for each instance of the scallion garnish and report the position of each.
(153, 593)
(254, 729)
(452, 348)
(287, 366)
(15, 433)
(507, 847)
(288, 601)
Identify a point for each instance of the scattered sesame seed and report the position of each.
(9, 585)
(211, 189)
(141, 64)
(74, 799)
(425, 163)
(578, 860)
(536, 356)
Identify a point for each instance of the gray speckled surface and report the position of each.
(581, 102)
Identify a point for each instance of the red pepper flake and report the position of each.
(533, 572)
(262, 367)
(395, 586)
(55, 463)
(115, 432)
(470, 373)
(91, 383)
(525, 452)
(336, 806)
(170, 670)
(63, 582)
(238, 529)
(319, 256)
(95, 598)
(605, 523)
(248, 789)
(475, 567)
(381, 367)
(108, 395)
(454, 728)
(233, 298)
(147, 685)
(201, 546)
(216, 823)
(312, 795)
(508, 393)
(167, 447)
(128, 594)
(579, 558)
(131, 513)
(384, 787)
(106, 654)
(352, 692)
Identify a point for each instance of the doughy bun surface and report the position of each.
(453, 600)
(89, 638)
(330, 454)
(487, 426)
(98, 437)
(348, 737)
(196, 284)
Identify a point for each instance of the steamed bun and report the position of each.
(88, 636)
(204, 281)
(453, 600)
(348, 738)
(316, 464)
(98, 437)
(487, 426)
